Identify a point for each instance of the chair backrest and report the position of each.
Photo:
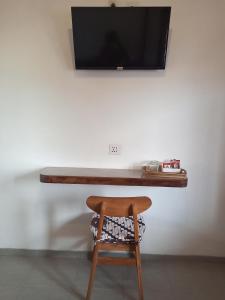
(118, 206)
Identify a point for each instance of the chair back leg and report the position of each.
(92, 273)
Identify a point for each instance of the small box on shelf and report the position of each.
(167, 167)
(171, 166)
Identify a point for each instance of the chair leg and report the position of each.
(92, 273)
(139, 273)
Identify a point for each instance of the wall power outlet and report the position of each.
(114, 149)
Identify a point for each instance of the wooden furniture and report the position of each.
(130, 177)
(117, 207)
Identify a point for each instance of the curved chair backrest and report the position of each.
(118, 206)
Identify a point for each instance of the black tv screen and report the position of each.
(120, 37)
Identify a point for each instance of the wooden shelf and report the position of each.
(111, 177)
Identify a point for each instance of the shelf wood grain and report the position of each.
(129, 177)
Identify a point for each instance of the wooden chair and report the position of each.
(123, 212)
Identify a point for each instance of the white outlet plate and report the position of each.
(114, 149)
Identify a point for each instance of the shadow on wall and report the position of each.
(67, 217)
(220, 195)
(26, 193)
(75, 232)
(52, 216)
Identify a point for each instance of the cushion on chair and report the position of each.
(117, 229)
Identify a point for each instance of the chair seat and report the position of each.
(117, 229)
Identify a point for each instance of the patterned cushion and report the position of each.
(117, 229)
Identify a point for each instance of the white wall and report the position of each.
(52, 115)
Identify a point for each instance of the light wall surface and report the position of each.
(53, 115)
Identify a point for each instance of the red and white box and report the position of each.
(171, 166)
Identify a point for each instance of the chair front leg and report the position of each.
(139, 272)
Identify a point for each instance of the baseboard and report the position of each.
(155, 257)
(30, 252)
(86, 254)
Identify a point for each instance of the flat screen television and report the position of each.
(120, 37)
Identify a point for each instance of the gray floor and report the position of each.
(65, 278)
